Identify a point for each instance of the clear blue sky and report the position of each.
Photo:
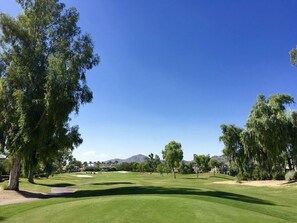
(177, 70)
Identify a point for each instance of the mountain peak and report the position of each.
(139, 158)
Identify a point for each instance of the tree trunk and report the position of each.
(14, 175)
(30, 175)
(173, 173)
(197, 173)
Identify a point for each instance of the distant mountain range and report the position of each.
(141, 159)
(136, 158)
(221, 158)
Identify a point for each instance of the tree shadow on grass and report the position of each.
(29, 194)
(2, 218)
(290, 182)
(110, 183)
(56, 185)
(221, 177)
(195, 178)
(162, 190)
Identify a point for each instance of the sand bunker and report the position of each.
(257, 183)
(15, 197)
(84, 176)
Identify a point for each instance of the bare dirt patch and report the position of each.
(257, 183)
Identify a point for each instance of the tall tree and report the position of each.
(233, 149)
(161, 168)
(152, 162)
(267, 125)
(291, 154)
(173, 155)
(202, 163)
(43, 62)
(214, 163)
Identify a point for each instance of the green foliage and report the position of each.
(292, 145)
(268, 143)
(243, 176)
(186, 168)
(4, 185)
(152, 161)
(291, 175)
(202, 162)
(233, 170)
(268, 126)
(173, 155)
(161, 168)
(4, 167)
(44, 58)
(214, 163)
(125, 166)
(133, 166)
(279, 175)
(293, 57)
(233, 149)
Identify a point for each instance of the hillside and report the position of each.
(141, 158)
(221, 158)
(136, 158)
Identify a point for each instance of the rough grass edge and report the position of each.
(4, 185)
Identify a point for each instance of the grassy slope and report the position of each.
(134, 197)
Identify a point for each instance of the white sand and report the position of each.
(257, 183)
(84, 176)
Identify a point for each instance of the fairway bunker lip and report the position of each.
(257, 183)
(8, 197)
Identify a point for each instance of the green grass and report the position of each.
(134, 197)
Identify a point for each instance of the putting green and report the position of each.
(140, 208)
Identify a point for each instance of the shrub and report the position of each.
(264, 175)
(279, 175)
(233, 171)
(243, 177)
(4, 167)
(291, 175)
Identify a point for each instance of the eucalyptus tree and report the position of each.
(292, 148)
(233, 149)
(292, 145)
(268, 127)
(43, 62)
(173, 155)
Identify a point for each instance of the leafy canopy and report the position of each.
(44, 58)
(173, 155)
